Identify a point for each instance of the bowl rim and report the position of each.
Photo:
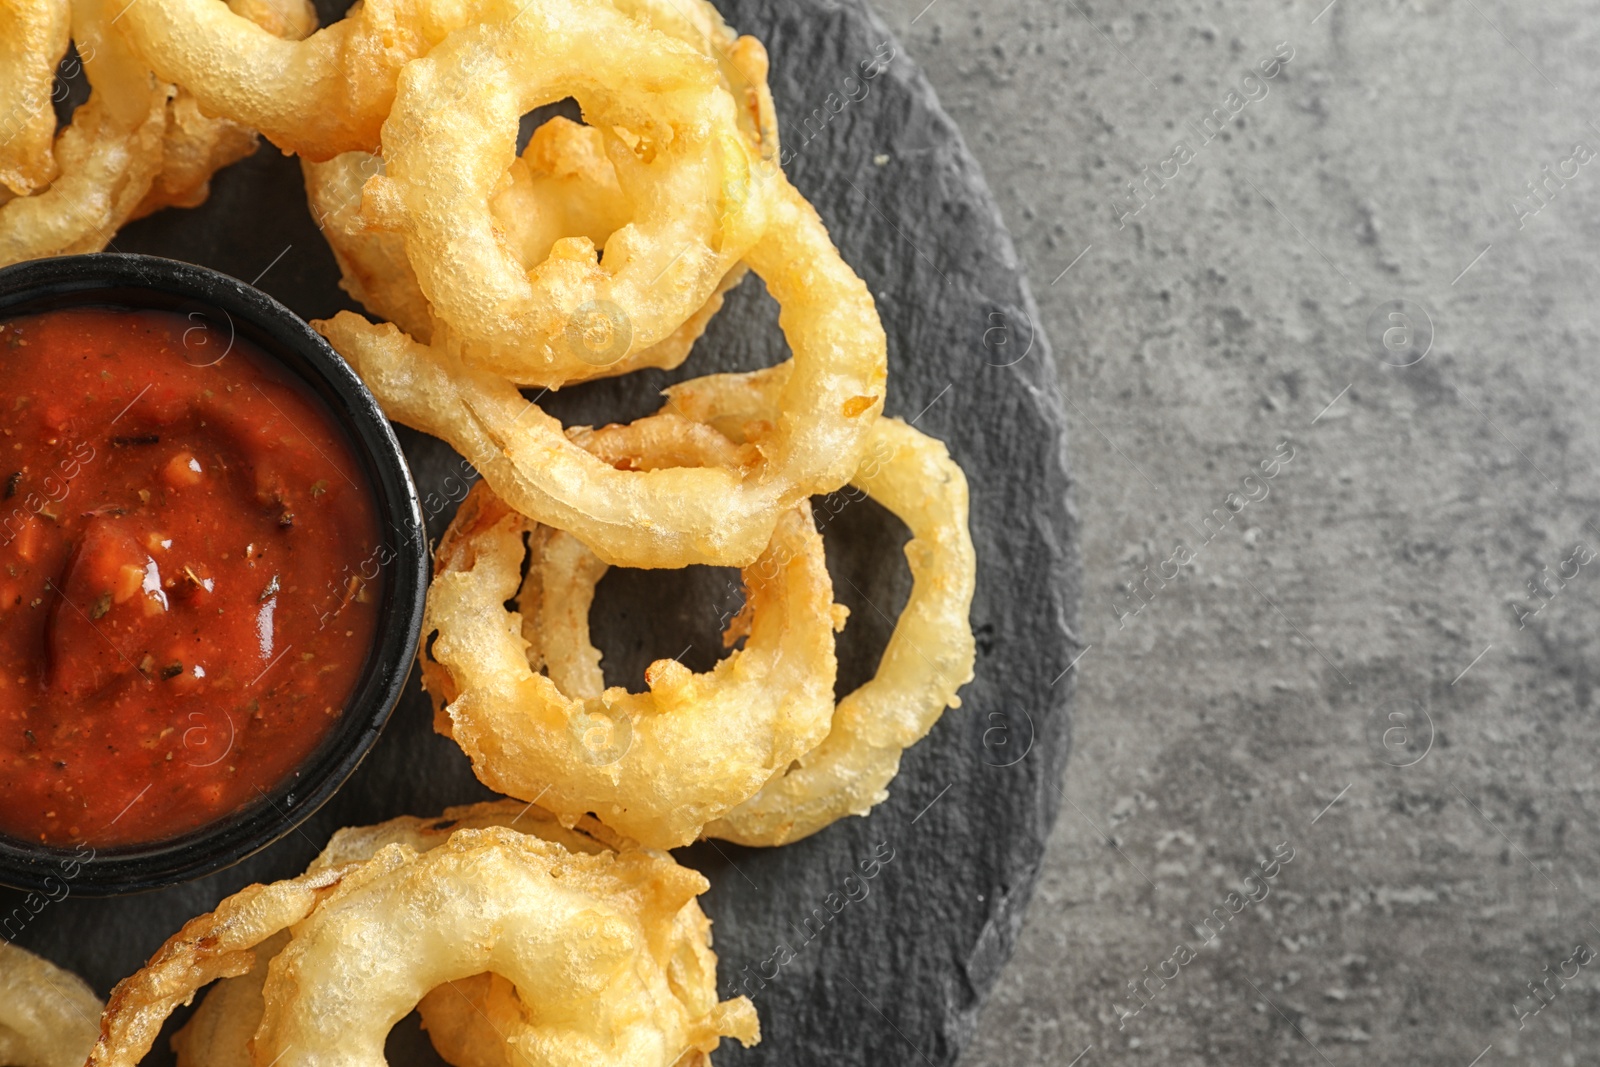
(140, 281)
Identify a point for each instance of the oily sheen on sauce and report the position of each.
(184, 608)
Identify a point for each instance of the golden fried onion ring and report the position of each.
(676, 516)
(671, 133)
(561, 186)
(219, 1032)
(320, 96)
(929, 655)
(468, 1020)
(106, 158)
(33, 38)
(48, 1016)
(135, 146)
(197, 145)
(585, 938)
(591, 871)
(331, 92)
(655, 766)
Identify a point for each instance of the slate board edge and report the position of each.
(1041, 381)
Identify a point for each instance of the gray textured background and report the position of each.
(1378, 575)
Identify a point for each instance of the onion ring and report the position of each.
(219, 1032)
(106, 158)
(316, 97)
(475, 1022)
(470, 1021)
(197, 145)
(677, 516)
(671, 132)
(562, 186)
(331, 92)
(929, 656)
(655, 766)
(585, 937)
(33, 38)
(135, 146)
(247, 939)
(48, 1016)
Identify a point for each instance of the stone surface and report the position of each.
(896, 976)
(1222, 320)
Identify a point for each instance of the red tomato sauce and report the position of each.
(186, 600)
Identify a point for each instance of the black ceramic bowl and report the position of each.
(229, 308)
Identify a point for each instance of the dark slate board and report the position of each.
(897, 976)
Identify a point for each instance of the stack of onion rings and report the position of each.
(655, 766)
(600, 249)
(562, 187)
(585, 939)
(675, 516)
(483, 324)
(218, 1034)
(505, 714)
(930, 654)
